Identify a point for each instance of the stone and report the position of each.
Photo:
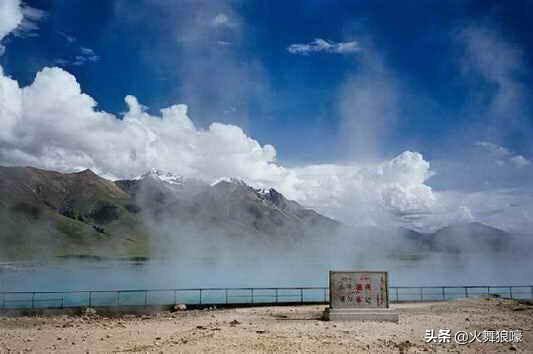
(359, 296)
(180, 307)
(90, 311)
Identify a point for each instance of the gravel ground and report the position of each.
(269, 329)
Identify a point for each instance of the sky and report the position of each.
(414, 113)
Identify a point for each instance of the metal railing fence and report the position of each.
(239, 296)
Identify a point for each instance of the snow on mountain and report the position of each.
(230, 180)
(162, 176)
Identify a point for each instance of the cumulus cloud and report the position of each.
(52, 124)
(322, 45)
(370, 193)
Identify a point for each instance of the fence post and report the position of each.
(32, 300)
(466, 291)
(511, 292)
(443, 293)
(301, 295)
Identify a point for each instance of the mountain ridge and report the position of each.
(83, 212)
(48, 213)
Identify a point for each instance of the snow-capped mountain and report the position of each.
(229, 203)
(162, 176)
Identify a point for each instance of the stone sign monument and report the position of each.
(359, 295)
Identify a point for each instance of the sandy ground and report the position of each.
(269, 329)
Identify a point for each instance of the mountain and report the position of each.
(465, 237)
(229, 207)
(45, 214)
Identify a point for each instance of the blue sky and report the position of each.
(292, 100)
(328, 84)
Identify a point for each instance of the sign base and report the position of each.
(347, 314)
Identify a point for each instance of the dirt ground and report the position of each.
(269, 329)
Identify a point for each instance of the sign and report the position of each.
(358, 289)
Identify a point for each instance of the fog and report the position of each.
(217, 260)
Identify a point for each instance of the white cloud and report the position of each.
(30, 23)
(365, 194)
(21, 21)
(70, 39)
(222, 20)
(10, 17)
(321, 45)
(86, 51)
(507, 209)
(519, 161)
(84, 56)
(52, 124)
(502, 156)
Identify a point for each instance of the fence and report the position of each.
(239, 296)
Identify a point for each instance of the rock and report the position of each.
(234, 323)
(179, 307)
(90, 311)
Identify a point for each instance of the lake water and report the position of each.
(437, 270)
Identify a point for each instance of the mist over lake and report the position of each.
(443, 270)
